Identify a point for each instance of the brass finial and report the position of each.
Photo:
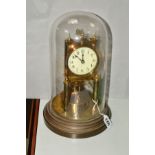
(80, 32)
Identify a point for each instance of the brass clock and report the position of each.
(81, 49)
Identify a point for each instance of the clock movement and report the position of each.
(81, 46)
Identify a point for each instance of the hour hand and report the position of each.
(82, 57)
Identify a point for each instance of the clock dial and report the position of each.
(82, 61)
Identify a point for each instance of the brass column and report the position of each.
(66, 93)
(95, 88)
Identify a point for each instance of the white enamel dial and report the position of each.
(82, 61)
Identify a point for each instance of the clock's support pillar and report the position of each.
(66, 93)
(95, 88)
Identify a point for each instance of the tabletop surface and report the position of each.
(113, 141)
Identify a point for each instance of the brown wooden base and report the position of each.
(73, 128)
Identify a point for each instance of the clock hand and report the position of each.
(78, 58)
(82, 61)
(82, 56)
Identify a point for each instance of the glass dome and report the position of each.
(80, 47)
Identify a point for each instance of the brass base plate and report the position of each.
(59, 122)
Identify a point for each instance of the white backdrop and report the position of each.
(42, 13)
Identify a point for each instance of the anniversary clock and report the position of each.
(80, 67)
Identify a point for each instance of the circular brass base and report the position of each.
(72, 128)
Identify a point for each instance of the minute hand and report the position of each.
(78, 58)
